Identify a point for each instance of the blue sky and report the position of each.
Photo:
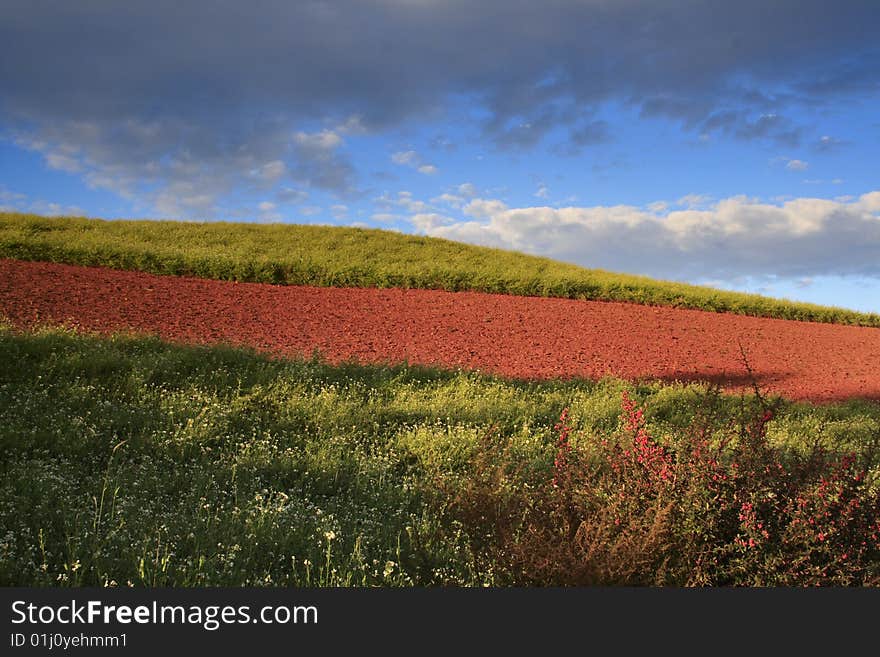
(725, 143)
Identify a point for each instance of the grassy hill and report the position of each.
(132, 461)
(332, 256)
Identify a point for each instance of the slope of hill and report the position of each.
(147, 462)
(355, 257)
(521, 337)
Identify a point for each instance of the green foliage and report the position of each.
(332, 256)
(127, 460)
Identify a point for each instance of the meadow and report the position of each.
(130, 461)
(335, 256)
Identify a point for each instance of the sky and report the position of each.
(732, 144)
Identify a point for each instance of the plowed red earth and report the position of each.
(524, 337)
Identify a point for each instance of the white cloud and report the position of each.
(339, 211)
(353, 125)
(415, 206)
(181, 170)
(404, 200)
(427, 222)
(309, 210)
(797, 165)
(468, 189)
(870, 202)
(480, 208)
(456, 200)
(320, 163)
(414, 160)
(737, 236)
(451, 200)
(326, 140)
(268, 211)
(542, 192)
(16, 202)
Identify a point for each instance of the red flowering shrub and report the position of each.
(718, 505)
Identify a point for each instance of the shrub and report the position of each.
(715, 505)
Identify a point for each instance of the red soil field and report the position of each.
(522, 337)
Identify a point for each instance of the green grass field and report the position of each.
(328, 256)
(129, 461)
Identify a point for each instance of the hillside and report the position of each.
(271, 435)
(355, 257)
(519, 337)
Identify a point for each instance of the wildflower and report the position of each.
(560, 463)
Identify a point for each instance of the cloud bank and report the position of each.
(731, 238)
